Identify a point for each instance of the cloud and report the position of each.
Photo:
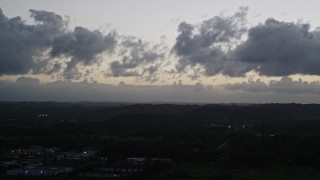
(48, 47)
(28, 89)
(284, 85)
(35, 48)
(27, 80)
(278, 48)
(20, 43)
(83, 45)
(220, 45)
(139, 58)
(50, 20)
(207, 43)
(274, 48)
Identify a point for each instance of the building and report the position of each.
(39, 171)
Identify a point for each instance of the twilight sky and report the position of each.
(246, 51)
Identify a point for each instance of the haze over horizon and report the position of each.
(160, 51)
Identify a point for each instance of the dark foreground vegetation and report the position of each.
(233, 141)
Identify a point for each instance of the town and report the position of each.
(89, 163)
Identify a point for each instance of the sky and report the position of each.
(187, 51)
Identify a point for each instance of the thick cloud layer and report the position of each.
(29, 89)
(284, 85)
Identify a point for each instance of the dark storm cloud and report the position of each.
(137, 54)
(28, 48)
(274, 48)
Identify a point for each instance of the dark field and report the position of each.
(232, 141)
